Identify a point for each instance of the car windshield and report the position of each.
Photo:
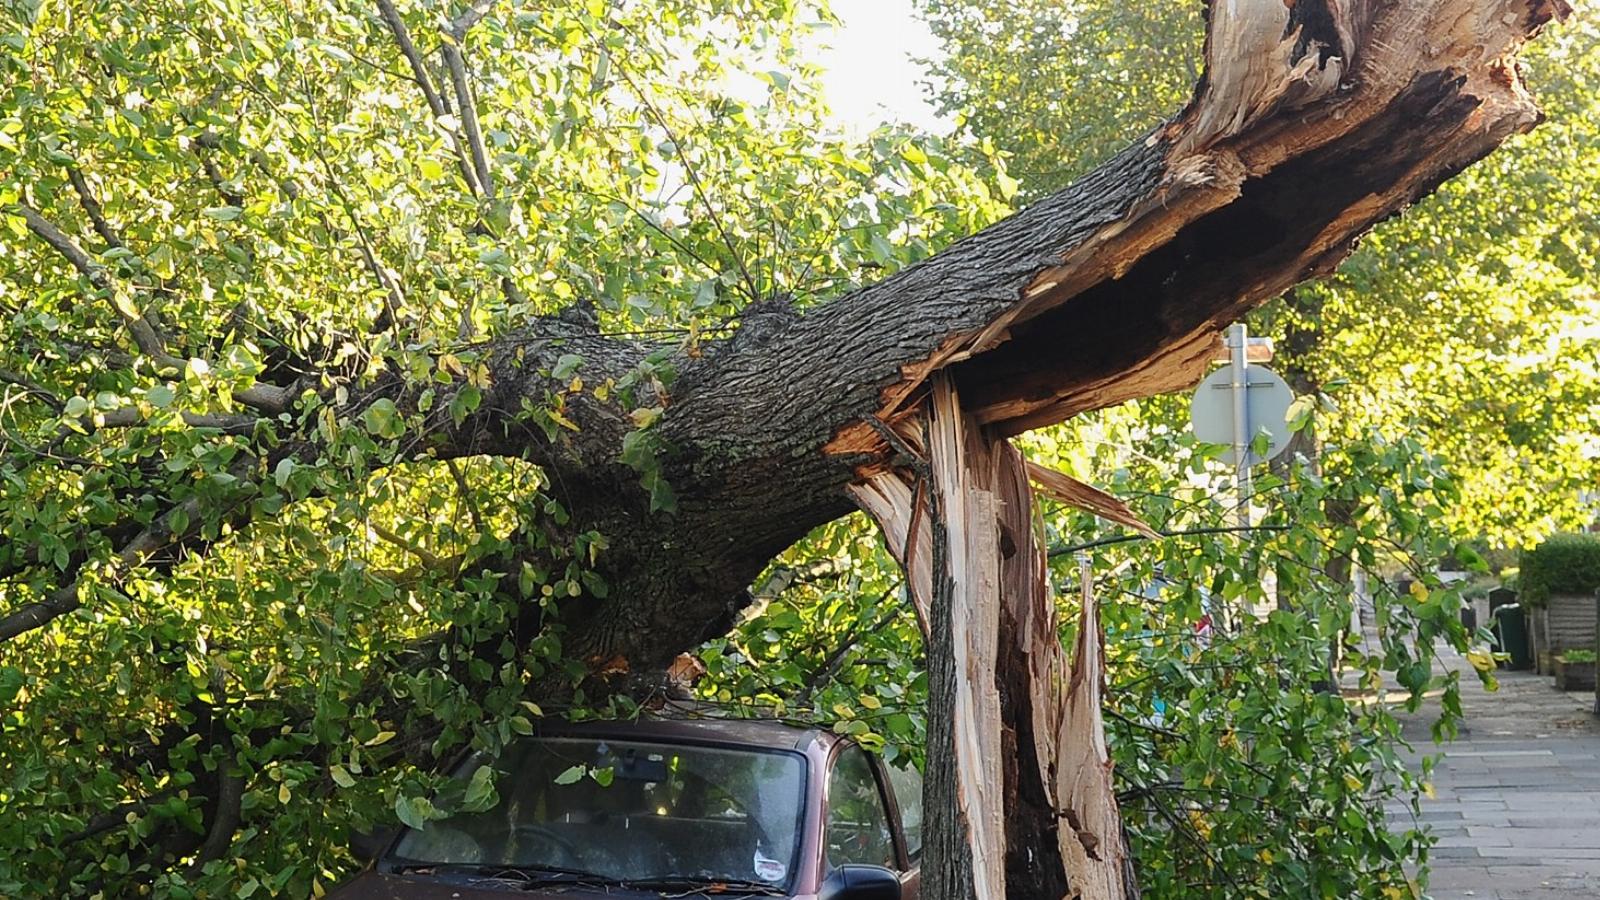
(629, 811)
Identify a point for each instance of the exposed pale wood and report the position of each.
(889, 499)
(967, 516)
(1075, 493)
(1092, 842)
(1004, 747)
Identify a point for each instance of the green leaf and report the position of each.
(1300, 412)
(159, 396)
(382, 419)
(566, 366)
(480, 794)
(571, 776)
(341, 776)
(414, 812)
(11, 682)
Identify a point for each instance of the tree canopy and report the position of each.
(377, 380)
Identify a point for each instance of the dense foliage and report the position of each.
(1560, 564)
(270, 186)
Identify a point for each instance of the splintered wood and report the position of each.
(1031, 802)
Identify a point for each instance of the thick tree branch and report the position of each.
(266, 398)
(149, 341)
(92, 208)
(436, 104)
(226, 812)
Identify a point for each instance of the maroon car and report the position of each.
(668, 808)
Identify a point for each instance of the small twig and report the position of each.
(91, 206)
(465, 492)
(694, 181)
(835, 660)
(428, 557)
(393, 297)
(30, 386)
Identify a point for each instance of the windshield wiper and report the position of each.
(705, 884)
(536, 875)
(528, 874)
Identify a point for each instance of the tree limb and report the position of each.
(469, 17)
(91, 206)
(172, 527)
(149, 341)
(225, 817)
(266, 398)
(436, 105)
(468, 106)
(32, 387)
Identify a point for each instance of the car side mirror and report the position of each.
(369, 845)
(856, 882)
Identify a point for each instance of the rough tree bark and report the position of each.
(1315, 120)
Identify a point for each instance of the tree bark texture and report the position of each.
(1316, 120)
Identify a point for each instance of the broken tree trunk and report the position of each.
(1019, 780)
(1316, 119)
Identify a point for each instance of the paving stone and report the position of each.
(1517, 796)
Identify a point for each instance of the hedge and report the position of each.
(1563, 564)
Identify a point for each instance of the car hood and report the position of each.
(376, 886)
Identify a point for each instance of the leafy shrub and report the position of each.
(1578, 656)
(1563, 564)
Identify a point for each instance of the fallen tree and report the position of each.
(1314, 121)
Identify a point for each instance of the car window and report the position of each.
(907, 785)
(858, 825)
(627, 810)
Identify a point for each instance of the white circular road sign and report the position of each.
(1267, 399)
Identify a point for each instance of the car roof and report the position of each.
(683, 722)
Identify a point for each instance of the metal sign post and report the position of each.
(1238, 405)
(1239, 381)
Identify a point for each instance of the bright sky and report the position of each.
(871, 76)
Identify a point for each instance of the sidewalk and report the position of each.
(1517, 795)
